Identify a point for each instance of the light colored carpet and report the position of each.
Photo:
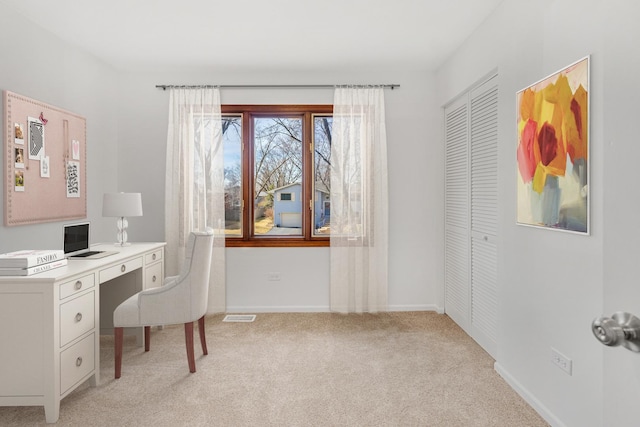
(307, 369)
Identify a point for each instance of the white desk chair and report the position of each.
(181, 299)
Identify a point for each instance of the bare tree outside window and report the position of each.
(278, 165)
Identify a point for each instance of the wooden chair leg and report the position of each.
(188, 333)
(117, 338)
(147, 337)
(203, 340)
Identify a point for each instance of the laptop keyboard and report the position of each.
(85, 254)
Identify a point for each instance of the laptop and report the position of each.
(76, 243)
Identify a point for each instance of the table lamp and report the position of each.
(122, 205)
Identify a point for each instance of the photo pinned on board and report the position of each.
(19, 181)
(36, 138)
(18, 134)
(44, 167)
(75, 149)
(19, 158)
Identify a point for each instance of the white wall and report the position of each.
(415, 183)
(550, 283)
(38, 65)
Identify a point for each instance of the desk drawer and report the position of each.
(76, 362)
(120, 269)
(153, 276)
(77, 317)
(153, 257)
(74, 286)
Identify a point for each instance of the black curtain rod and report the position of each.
(165, 87)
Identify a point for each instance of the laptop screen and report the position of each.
(76, 238)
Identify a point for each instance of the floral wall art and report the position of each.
(553, 151)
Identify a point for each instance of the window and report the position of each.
(277, 169)
(232, 143)
(322, 125)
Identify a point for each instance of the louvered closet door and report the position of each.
(457, 248)
(484, 214)
(471, 210)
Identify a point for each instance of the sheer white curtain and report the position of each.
(359, 202)
(194, 192)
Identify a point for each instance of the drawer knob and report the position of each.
(78, 317)
(123, 268)
(153, 279)
(79, 361)
(153, 257)
(78, 285)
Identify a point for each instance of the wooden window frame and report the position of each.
(247, 113)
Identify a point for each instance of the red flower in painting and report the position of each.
(526, 155)
(548, 144)
(577, 114)
(575, 147)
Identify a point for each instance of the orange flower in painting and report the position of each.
(527, 105)
(571, 119)
(576, 125)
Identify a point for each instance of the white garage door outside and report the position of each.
(291, 219)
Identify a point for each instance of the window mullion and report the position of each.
(247, 176)
(307, 168)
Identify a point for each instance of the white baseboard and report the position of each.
(417, 307)
(528, 397)
(323, 309)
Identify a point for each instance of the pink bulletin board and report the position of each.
(45, 170)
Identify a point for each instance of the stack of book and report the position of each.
(28, 262)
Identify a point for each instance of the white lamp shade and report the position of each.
(122, 204)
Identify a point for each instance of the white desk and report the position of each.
(50, 322)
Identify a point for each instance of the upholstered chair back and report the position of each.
(182, 298)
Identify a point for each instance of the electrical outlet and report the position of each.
(273, 276)
(561, 361)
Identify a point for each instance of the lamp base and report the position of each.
(122, 232)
